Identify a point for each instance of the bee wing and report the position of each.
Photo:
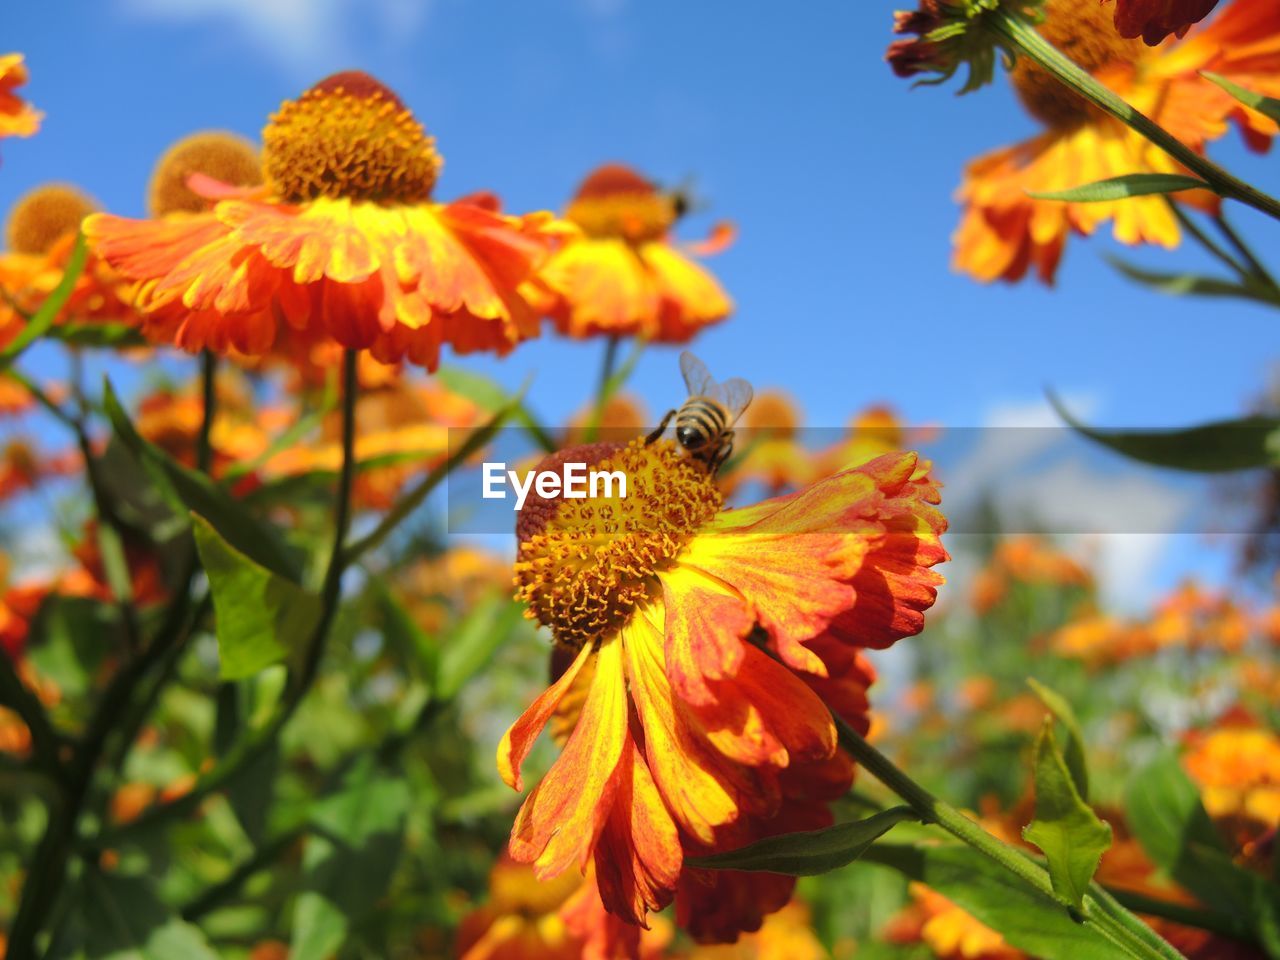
(697, 378)
(735, 394)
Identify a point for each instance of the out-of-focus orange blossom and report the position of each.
(403, 429)
(439, 589)
(1190, 618)
(23, 466)
(17, 117)
(623, 275)
(172, 417)
(1237, 766)
(785, 935)
(559, 919)
(1025, 559)
(40, 235)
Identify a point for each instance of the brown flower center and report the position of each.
(615, 201)
(225, 157)
(42, 217)
(584, 564)
(1083, 30)
(349, 137)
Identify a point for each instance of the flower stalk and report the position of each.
(1100, 908)
(1020, 36)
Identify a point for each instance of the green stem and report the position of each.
(1258, 268)
(610, 363)
(250, 748)
(1181, 913)
(1026, 40)
(260, 859)
(45, 742)
(209, 373)
(1193, 228)
(1108, 917)
(48, 865)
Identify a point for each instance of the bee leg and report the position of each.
(723, 454)
(661, 428)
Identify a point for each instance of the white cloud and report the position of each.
(302, 35)
(1037, 474)
(1012, 436)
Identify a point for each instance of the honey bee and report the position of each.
(704, 422)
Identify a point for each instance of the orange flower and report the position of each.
(22, 467)
(1237, 766)
(15, 738)
(402, 430)
(17, 117)
(344, 244)
(41, 234)
(1195, 619)
(1024, 559)
(131, 799)
(19, 605)
(1004, 232)
(709, 639)
(148, 583)
(949, 931)
(1098, 640)
(561, 919)
(785, 935)
(772, 453)
(172, 418)
(624, 275)
(1153, 20)
(871, 433)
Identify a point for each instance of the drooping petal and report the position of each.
(561, 819)
(638, 857)
(519, 739)
(696, 781)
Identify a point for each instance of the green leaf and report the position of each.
(1074, 752)
(43, 318)
(120, 918)
(1122, 188)
(70, 639)
(1163, 809)
(473, 642)
(484, 392)
(489, 395)
(262, 618)
(809, 852)
(290, 437)
(1028, 920)
(349, 861)
(112, 336)
(1065, 829)
(1218, 447)
(1182, 284)
(1267, 106)
(404, 634)
(189, 490)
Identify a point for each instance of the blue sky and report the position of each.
(838, 175)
